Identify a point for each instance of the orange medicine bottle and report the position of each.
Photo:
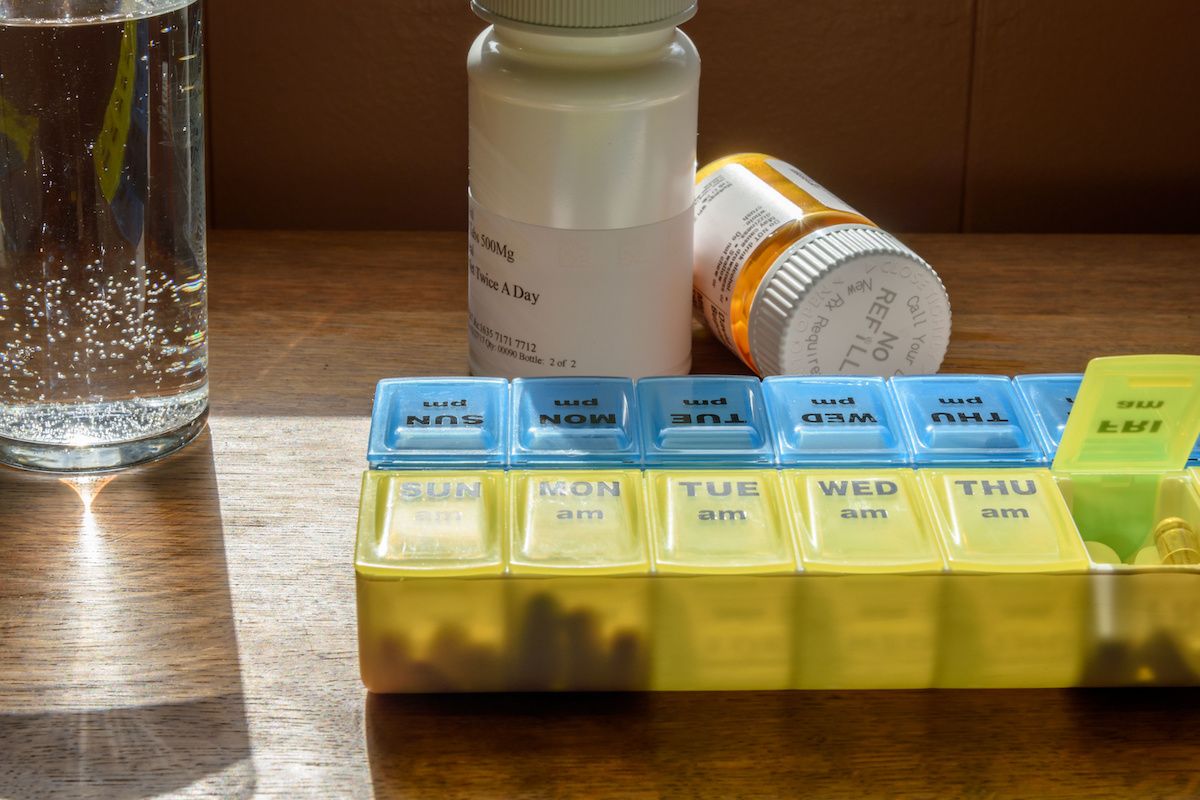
(796, 281)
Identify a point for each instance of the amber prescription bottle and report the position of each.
(795, 281)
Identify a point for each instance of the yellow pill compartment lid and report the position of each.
(720, 522)
(1133, 414)
(578, 522)
(863, 521)
(1004, 520)
(431, 524)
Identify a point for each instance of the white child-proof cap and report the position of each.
(587, 14)
(850, 299)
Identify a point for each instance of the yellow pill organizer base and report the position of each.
(799, 578)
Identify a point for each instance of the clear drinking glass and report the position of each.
(103, 302)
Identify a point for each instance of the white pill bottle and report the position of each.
(582, 166)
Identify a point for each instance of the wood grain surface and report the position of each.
(187, 627)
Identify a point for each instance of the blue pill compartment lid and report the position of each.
(834, 420)
(435, 422)
(966, 419)
(1049, 399)
(574, 421)
(704, 420)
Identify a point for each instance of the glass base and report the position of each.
(102, 457)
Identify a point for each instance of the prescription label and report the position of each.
(548, 301)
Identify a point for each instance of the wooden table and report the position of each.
(188, 626)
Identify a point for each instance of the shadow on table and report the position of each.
(119, 673)
(787, 744)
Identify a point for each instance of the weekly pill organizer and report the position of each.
(798, 532)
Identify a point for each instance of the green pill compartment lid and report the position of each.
(1133, 414)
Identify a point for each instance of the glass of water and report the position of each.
(103, 303)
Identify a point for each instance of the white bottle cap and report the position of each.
(849, 299)
(582, 15)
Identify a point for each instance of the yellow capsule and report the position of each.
(1177, 541)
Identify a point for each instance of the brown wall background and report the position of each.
(929, 115)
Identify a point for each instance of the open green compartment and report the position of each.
(1121, 466)
(1121, 470)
